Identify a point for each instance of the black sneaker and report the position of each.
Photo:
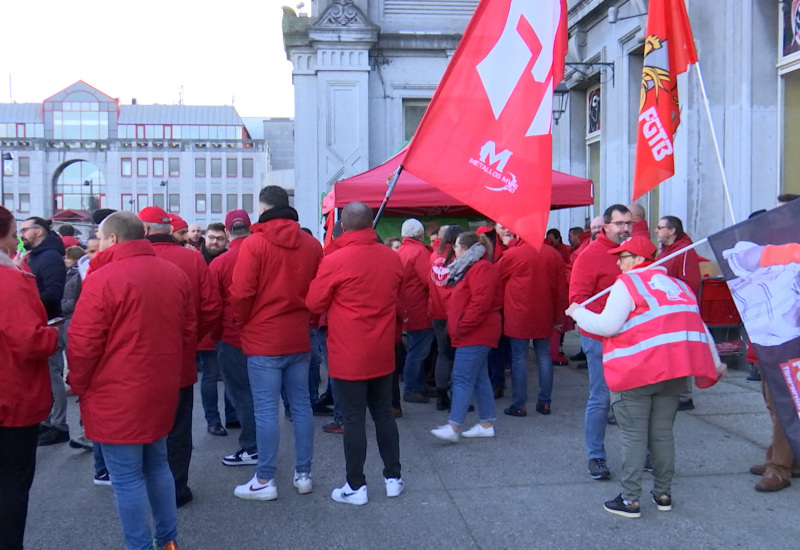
(686, 405)
(241, 458)
(619, 507)
(542, 408)
(102, 478)
(516, 411)
(580, 356)
(52, 436)
(663, 502)
(598, 469)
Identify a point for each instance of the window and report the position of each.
(174, 168)
(127, 168)
(167, 131)
(140, 131)
(247, 203)
(216, 204)
(158, 168)
(126, 202)
(24, 203)
(413, 109)
(174, 203)
(24, 166)
(158, 200)
(80, 120)
(200, 168)
(232, 202)
(233, 168)
(8, 167)
(216, 168)
(200, 203)
(247, 168)
(8, 201)
(141, 167)
(20, 130)
(141, 201)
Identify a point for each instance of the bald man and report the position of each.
(639, 220)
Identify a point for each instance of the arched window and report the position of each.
(79, 185)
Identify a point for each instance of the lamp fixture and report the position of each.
(560, 101)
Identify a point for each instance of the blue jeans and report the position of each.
(210, 372)
(499, 357)
(233, 364)
(519, 370)
(99, 461)
(598, 402)
(314, 364)
(267, 376)
(471, 376)
(419, 346)
(142, 481)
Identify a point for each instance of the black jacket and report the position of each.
(47, 263)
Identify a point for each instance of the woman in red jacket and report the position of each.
(25, 397)
(473, 323)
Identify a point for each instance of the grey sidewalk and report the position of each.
(526, 488)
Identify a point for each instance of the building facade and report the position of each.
(81, 150)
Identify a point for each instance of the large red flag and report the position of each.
(485, 138)
(668, 51)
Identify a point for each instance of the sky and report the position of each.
(220, 52)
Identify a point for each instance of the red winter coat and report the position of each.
(594, 270)
(439, 293)
(534, 290)
(564, 250)
(270, 282)
(415, 257)
(640, 227)
(128, 338)
(685, 267)
(208, 308)
(221, 269)
(474, 315)
(358, 284)
(25, 344)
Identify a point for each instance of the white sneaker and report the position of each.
(255, 490)
(303, 483)
(241, 458)
(349, 496)
(479, 431)
(394, 486)
(447, 433)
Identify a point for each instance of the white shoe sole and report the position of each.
(303, 489)
(255, 496)
(255, 463)
(336, 495)
(450, 436)
(470, 434)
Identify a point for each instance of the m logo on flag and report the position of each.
(490, 156)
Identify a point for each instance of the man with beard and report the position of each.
(595, 270)
(194, 236)
(216, 241)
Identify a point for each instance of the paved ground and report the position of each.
(527, 488)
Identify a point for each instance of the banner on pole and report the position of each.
(668, 51)
(486, 136)
(760, 260)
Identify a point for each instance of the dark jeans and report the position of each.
(446, 355)
(208, 365)
(399, 365)
(233, 364)
(179, 442)
(499, 358)
(316, 361)
(355, 396)
(17, 465)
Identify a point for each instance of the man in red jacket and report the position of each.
(207, 306)
(268, 296)
(414, 255)
(130, 332)
(358, 284)
(640, 226)
(595, 270)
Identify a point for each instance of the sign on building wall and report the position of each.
(593, 111)
(791, 29)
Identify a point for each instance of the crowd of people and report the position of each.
(148, 301)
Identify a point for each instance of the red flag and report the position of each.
(668, 51)
(486, 137)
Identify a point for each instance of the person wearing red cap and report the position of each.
(205, 298)
(180, 228)
(653, 338)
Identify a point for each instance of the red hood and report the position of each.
(679, 243)
(281, 232)
(139, 247)
(361, 236)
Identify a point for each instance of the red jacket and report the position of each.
(415, 257)
(439, 294)
(474, 315)
(685, 267)
(208, 308)
(358, 284)
(640, 227)
(127, 342)
(594, 270)
(534, 290)
(270, 282)
(564, 250)
(25, 344)
(221, 269)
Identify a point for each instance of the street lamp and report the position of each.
(6, 157)
(89, 183)
(165, 185)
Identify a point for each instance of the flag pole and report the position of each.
(388, 194)
(714, 139)
(654, 264)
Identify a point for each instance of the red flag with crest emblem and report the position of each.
(486, 136)
(668, 52)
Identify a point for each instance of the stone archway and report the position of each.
(78, 185)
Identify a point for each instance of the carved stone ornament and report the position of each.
(340, 13)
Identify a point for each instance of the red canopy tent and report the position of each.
(415, 197)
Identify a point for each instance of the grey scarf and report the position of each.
(460, 265)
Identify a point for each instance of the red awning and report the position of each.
(413, 196)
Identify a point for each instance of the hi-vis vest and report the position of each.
(662, 339)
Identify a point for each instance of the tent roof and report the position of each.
(413, 196)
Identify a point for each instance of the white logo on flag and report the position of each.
(488, 158)
(505, 65)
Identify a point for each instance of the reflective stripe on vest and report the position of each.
(656, 310)
(660, 340)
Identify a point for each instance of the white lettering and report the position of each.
(657, 137)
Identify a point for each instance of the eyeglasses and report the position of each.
(660, 227)
(212, 238)
(623, 256)
(621, 225)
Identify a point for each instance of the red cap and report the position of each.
(153, 214)
(482, 230)
(237, 215)
(177, 222)
(639, 245)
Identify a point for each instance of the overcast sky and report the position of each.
(219, 51)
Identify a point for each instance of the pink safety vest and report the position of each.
(662, 339)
